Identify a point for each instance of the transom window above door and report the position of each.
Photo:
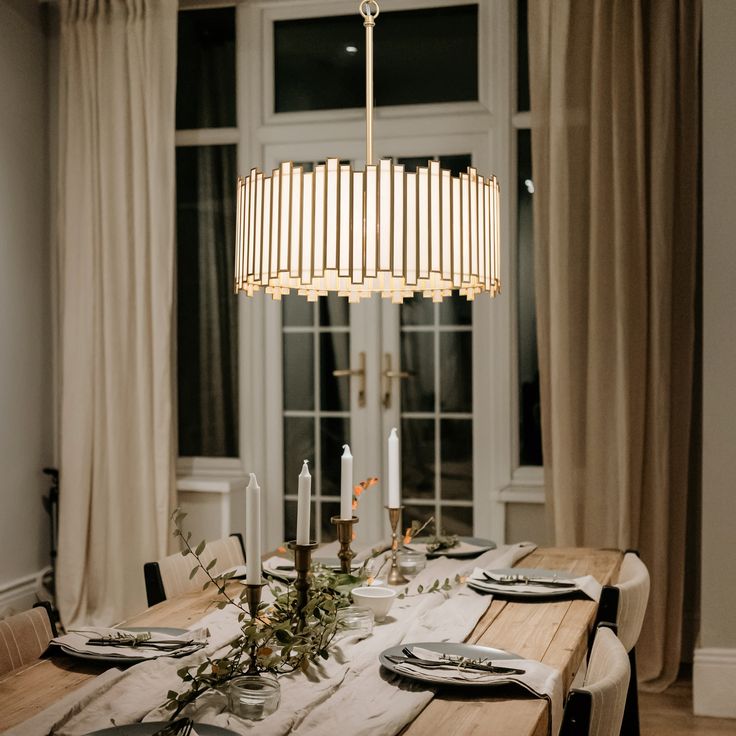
(421, 56)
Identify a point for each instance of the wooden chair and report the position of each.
(625, 604)
(169, 577)
(25, 636)
(597, 708)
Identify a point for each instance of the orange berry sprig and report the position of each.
(364, 485)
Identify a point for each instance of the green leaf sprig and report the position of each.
(282, 641)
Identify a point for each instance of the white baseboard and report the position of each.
(714, 683)
(20, 594)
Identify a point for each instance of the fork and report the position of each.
(181, 727)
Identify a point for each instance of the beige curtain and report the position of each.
(615, 138)
(117, 85)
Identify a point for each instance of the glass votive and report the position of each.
(355, 621)
(254, 696)
(410, 562)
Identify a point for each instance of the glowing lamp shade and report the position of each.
(383, 230)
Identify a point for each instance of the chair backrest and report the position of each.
(597, 708)
(625, 602)
(24, 637)
(633, 595)
(170, 576)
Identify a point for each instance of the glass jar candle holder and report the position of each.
(254, 697)
(355, 621)
(410, 562)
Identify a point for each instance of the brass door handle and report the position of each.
(359, 372)
(388, 374)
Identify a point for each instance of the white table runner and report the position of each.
(350, 685)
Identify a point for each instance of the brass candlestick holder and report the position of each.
(302, 565)
(253, 593)
(395, 577)
(345, 537)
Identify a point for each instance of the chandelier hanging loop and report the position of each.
(382, 230)
(370, 10)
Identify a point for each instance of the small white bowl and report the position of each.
(378, 599)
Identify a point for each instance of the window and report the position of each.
(529, 412)
(205, 174)
(421, 56)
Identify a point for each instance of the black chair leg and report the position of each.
(630, 723)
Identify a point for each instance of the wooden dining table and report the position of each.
(552, 631)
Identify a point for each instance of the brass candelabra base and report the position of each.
(345, 537)
(395, 577)
(302, 565)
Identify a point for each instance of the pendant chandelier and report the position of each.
(385, 230)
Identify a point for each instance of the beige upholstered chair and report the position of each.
(633, 595)
(169, 577)
(625, 604)
(24, 637)
(597, 708)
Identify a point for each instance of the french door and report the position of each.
(348, 373)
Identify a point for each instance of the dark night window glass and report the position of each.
(206, 307)
(205, 89)
(420, 56)
(522, 58)
(530, 430)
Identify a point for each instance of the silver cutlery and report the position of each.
(143, 641)
(180, 727)
(525, 580)
(461, 662)
(432, 665)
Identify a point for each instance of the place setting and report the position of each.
(459, 665)
(533, 583)
(131, 645)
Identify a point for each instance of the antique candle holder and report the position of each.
(302, 565)
(395, 577)
(345, 537)
(253, 593)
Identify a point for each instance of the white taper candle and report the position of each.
(394, 494)
(346, 484)
(253, 532)
(303, 505)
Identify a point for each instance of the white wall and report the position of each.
(25, 352)
(714, 676)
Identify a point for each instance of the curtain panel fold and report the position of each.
(117, 87)
(615, 145)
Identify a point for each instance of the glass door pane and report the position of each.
(316, 404)
(436, 412)
(433, 404)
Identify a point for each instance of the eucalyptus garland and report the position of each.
(278, 634)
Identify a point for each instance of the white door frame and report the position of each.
(266, 136)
